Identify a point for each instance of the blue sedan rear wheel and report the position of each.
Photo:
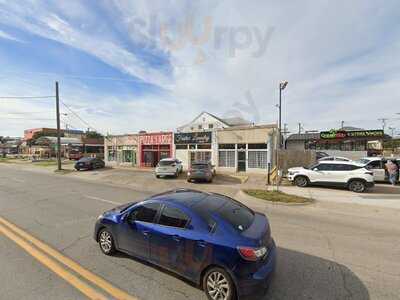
(106, 242)
(218, 285)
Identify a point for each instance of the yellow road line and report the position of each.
(95, 279)
(52, 265)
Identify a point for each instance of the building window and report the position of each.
(192, 147)
(200, 127)
(111, 153)
(226, 146)
(258, 159)
(180, 147)
(204, 146)
(241, 146)
(210, 126)
(226, 159)
(257, 146)
(200, 156)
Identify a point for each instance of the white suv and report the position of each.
(169, 167)
(333, 173)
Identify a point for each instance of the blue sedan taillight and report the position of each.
(252, 254)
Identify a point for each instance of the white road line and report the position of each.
(103, 200)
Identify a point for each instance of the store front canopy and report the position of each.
(52, 140)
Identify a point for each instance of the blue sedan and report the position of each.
(210, 239)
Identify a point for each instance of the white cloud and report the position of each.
(340, 58)
(5, 35)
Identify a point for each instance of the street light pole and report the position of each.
(58, 129)
(282, 86)
(280, 116)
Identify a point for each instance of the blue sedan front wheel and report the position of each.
(218, 285)
(106, 242)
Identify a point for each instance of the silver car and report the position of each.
(201, 170)
(168, 167)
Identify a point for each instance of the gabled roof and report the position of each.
(228, 122)
(236, 121)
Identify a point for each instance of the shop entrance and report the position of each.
(241, 161)
(152, 154)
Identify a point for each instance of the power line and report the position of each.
(74, 113)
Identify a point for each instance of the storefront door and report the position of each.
(241, 161)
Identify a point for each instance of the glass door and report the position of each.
(241, 161)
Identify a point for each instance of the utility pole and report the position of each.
(342, 125)
(58, 129)
(383, 120)
(300, 127)
(285, 132)
(392, 129)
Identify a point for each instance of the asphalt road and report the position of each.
(325, 251)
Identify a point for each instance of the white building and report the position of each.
(232, 144)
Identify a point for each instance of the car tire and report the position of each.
(301, 181)
(357, 186)
(217, 280)
(189, 180)
(106, 242)
(157, 176)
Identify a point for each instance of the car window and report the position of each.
(173, 217)
(363, 161)
(199, 166)
(239, 216)
(343, 167)
(145, 213)
(324, 167)
(166, 162)
(376, 164)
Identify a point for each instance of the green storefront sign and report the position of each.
(341, 134)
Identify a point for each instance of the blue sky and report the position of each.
(125, 66)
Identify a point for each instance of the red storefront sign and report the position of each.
(156, 139)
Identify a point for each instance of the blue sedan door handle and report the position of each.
(176, 238)
(146, 233)
(201, 243)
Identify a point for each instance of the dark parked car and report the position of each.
(320, 155)
(89, 163)
(201, 170)
(209, 239)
